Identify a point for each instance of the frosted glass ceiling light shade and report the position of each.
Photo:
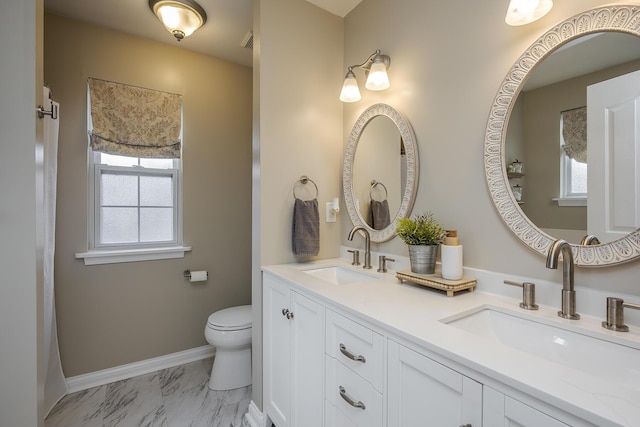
(350, 91)
(376, 69)
(180, 17)
(522, 12)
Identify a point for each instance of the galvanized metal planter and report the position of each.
(423, 258)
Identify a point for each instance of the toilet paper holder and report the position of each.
(187, 274)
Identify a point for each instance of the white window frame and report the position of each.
(130, 252)
(99, 169)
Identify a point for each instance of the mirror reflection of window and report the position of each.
(573, 155)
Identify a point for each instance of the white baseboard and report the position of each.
(106, 376)
(255, 418)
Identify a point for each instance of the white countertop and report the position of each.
(413, 312)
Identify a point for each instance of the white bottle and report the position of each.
(451, 257)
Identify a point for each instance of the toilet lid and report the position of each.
(231, 318)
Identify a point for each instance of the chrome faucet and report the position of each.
(367, 244)
(568, 310)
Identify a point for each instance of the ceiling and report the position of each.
(228, 22)
(584, 55)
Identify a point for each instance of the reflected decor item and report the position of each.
(180, 17)
(375, 67)
(516, 166)
(517, 192)
(577, 31)
(521, 12)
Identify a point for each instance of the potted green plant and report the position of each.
(423, 235)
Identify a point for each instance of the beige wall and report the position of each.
(297, 131)
(447, 62)
(113, 314)
(542, 139)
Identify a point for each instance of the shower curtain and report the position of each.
(55, 386)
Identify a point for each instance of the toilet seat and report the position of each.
(231, 319)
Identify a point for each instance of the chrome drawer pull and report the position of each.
(349, 400)
(350, 355)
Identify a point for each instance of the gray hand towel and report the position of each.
(380, 214)
(306, 228)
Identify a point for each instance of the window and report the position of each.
(573, 165)
(135, 209)
(135, 171)
(573, 177)
(135, 201)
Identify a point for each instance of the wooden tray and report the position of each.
(436, 281)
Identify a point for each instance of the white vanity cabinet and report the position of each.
(354, 372)
(423, 392)
(293, 346)
(501, 410)
(325, 365)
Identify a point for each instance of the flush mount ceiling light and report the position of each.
(180, 17)
(522, 12)
(376, 68)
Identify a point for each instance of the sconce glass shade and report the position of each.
(375, 67)
(378, 78)
(350, 91)
(521, 12)
(180, 17)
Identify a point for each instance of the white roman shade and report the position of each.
(134, 121)
(574, 133)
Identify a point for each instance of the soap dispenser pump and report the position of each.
(451, 256)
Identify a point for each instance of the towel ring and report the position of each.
(304, 180)
(374, 184)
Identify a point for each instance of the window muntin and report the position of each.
(135, 202)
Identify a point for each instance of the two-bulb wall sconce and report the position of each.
(375, 67)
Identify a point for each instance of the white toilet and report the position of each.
(229, 331)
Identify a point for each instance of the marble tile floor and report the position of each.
(173, 397)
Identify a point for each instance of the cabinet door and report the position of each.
(307, 338)
(423, 392)
(276, 351)
(501, 410)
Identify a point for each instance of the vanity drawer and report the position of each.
(335, 418)
(357, 347)
(349, 399)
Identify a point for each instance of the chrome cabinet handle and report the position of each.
(350, 355)
(288, 314)
(466, 425)
(349, 400)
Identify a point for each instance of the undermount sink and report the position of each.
(339, 275)
(591, 353)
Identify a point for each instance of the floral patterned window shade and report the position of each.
(574, 133)
(133, 121)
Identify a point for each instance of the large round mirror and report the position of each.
(560, 146)
(380, 171)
